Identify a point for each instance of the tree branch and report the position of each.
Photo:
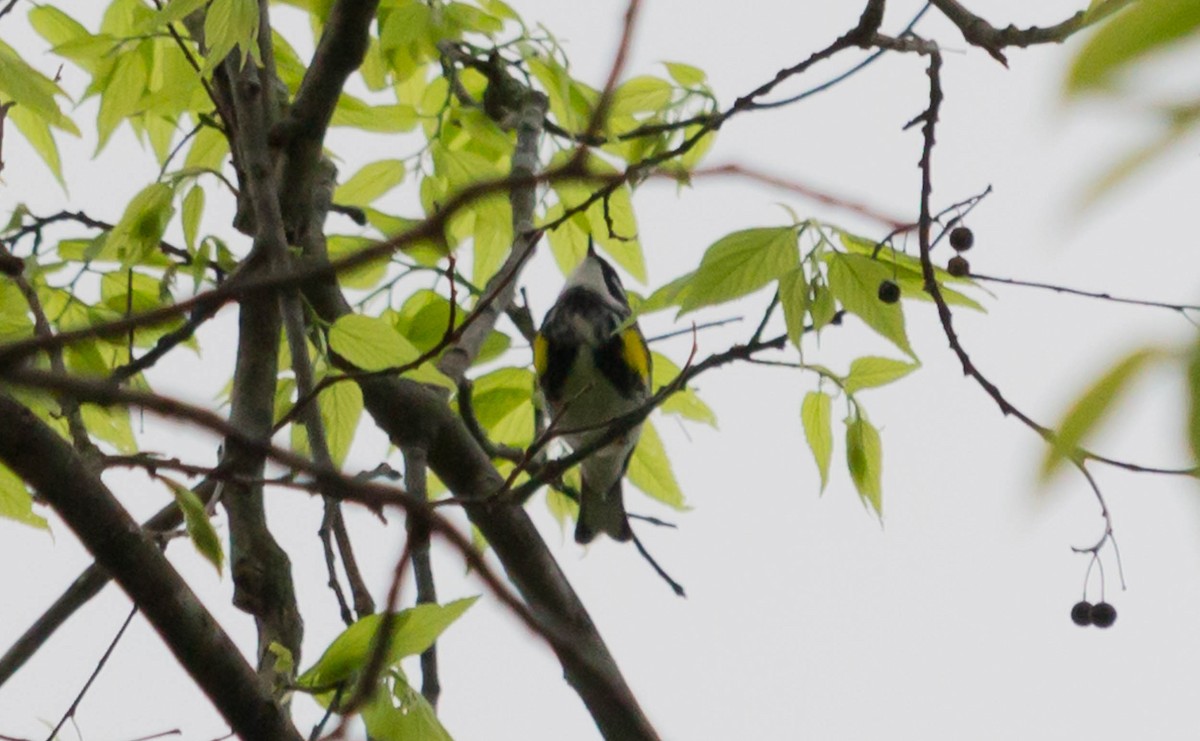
(40, 457)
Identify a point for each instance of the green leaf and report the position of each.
(402, 714)
(794, 298)
(121, 95)
(869, 372)
(817, 418)
(341, 408)
(864, 458)
(208, 151)
(369, 183)
(503, 403)
(685, 402)
(229, 25)
(741, 263)
(412, 631)
(1193, 423)
(193, 210)
(1090, 409)
(15, 502)
(650, 469)
(1144, 27)
(854, 281)
(37, 132)
(371, 344)
(562, 507)
(642, 94)
(199, 528)
(137, 235)
(685, 74)
(569, 242)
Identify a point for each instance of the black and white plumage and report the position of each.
(592, 369)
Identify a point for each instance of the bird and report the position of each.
(593, 366)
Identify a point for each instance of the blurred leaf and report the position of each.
(137, 235)
(1092, 407)
(199, 528)
(685, 74)
(193, 210)
(370, 182)
(1145, 26)
(229, 25)
(741, 263)
(15, 502)
(871, 371)
(642, 94)
(817, 418)
(402, 715)
(864, 458)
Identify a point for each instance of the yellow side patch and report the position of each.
(635, 352)
(541, 351)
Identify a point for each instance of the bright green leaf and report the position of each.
(794, 298)
(369, 183)
(817, 418)
(199, 527)
(854, 281)
(741, 263)
(650, 469)
(871, 371)
(864, 458)
(370, 343)
(15, 502)
(412, 631)
(685, 402)
(193, 210)
(685, 74)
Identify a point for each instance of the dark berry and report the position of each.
(961, 238)
(889, 292)
(1081, 613)
(1103, 614)
(958, 267)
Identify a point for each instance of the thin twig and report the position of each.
(70, 713)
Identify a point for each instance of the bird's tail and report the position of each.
(602, 513)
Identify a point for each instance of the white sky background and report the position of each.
(804, 618)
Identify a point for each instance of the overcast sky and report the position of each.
(805, 618)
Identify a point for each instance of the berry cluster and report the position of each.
(1101, 614)
(961, 239)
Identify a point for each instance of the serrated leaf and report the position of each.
(199, 528)
(741, 263)
(817, 418)
(412, 631)
(650, 469)
(854, 281)
(1144, 27)
(794, 298)
(871, 371)
(370, 182)
(371, 344)
(16, 504)
(1090, 409)
(864, 458)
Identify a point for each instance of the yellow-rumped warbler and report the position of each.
(592, 368)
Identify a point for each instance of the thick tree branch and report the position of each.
(261, 569)
(39, 456)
